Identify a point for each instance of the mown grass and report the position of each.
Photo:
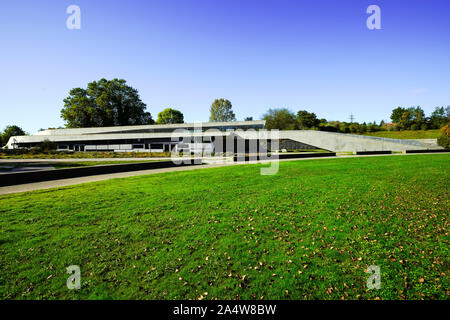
(308, 232)
(406, 134)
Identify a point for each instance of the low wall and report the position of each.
(427, 151)
(9, 179)
(372, 152)
(284, 156)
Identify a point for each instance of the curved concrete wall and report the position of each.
(337, 142)
(348, 142)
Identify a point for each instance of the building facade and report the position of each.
(208, 137)
(186, 137)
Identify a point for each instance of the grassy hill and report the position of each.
(407, 134)
(308, 232)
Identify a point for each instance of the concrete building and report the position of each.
(209, 137)
(186, 137)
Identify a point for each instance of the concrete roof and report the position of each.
(169, 127)
(134, 132)
(111, 136)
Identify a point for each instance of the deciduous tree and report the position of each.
(444, 137)
(9, 132)
(105, 103)
(307, 120)
(281, 119)
(221, 111)
(168, 116)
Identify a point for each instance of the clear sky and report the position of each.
(260, 54)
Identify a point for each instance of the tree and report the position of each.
(9, 132)
(397, 114)
(418, 118)
(344, 127)
(402, 117)
(281, 119)
(439, 117)
(221, 111)
(371, 127)
(444, 137)
(362, 128)
(169, 115)
(354, 127)
(307, 120)
(248, 119)
(104, 103)
(47, 146)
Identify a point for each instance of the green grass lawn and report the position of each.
(406, 134)
(308, 232)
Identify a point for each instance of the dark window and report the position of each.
(156, 146)
(138, 146)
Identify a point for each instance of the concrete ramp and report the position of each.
(340, 142)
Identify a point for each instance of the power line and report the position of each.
(351, 118)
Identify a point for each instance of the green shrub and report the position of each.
(46, 146)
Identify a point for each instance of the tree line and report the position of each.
(414, 118)
(114, 103)
(402, 119)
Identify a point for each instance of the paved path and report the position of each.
(73, 181)
(6, 161)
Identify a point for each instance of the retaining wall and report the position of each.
(8, 179)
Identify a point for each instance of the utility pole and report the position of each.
(351, 118)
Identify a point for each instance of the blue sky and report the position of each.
(316, 55)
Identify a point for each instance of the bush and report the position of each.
(46, 146)
(444, 138)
